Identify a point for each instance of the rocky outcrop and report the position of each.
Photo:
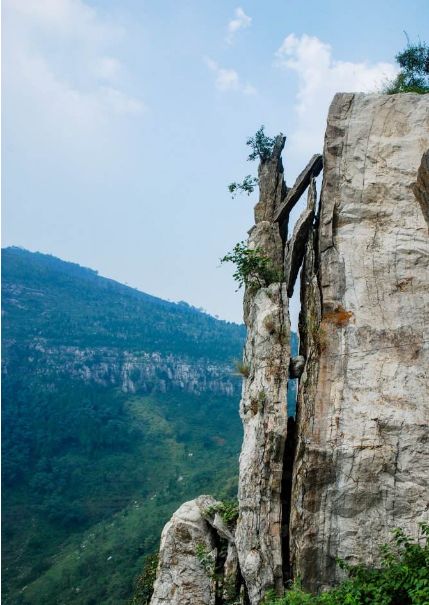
(262, 409)
(188, 553)
(131, 371)
(362, 462)
(354, 464)
(421, 186)
(198, 561)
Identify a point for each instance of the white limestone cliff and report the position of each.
(362, 463)
(355, 464)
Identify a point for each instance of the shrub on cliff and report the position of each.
(414, 74)
(253, 268)
(261, 147)
(401, 579)
(144, 586)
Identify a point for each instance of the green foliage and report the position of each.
(206, 559)
(414, 74)
(144, 586)
(253, 268)
(45, 298)
(401, 579)
(247, 186)
(262, 148)
(242, 368)
(91, 473)
(228, 510)
(261, 145)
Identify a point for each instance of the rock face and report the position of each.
(187, 557)
(355, 463)
(198, 562)
(262, 409)
(362, 463)
(131, 371)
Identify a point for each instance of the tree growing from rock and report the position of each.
(261, 147)
(414, 74)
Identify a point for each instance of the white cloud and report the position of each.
(319, 78)
(61, 79)
(241, 21)
(228, 79)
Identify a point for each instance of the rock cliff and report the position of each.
(354, 463)
(362, 462)
(131, 371)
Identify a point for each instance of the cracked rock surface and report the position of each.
(355, 463)
(362, 462)
(263, 404)
(182, 577)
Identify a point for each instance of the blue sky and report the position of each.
(124, 121)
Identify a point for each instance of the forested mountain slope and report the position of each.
(117, 406)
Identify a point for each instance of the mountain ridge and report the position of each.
(116, 406)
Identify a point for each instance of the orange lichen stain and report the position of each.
(339, 318)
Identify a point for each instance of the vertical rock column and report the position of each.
(263, 405)
(362, 461)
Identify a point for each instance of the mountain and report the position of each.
(117, 406)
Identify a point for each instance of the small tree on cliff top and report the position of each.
(414, 74)
(262, 147)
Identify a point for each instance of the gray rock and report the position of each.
(295, 247)
(362, 462)
(187, 557)
(263, 407)
(296, 366)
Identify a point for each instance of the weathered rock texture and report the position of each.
(188, 553)
(355, 463)
(262, 408)
(362, 462)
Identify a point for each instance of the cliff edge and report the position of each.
(354, 463)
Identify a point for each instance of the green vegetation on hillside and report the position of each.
(106, 470)
(73, 306)
(92, 473)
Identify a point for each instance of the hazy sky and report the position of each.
(124, 121)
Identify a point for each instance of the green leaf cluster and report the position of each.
(253, 267)
(227, 509)
(247, 186)
(145, 582)
(261, 145)
(414, 74)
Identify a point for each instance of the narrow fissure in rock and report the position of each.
(308, 237)
(219, 570)
(288, 458)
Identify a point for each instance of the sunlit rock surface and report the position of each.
(362, 462)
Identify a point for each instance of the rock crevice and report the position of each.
(354, 463)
